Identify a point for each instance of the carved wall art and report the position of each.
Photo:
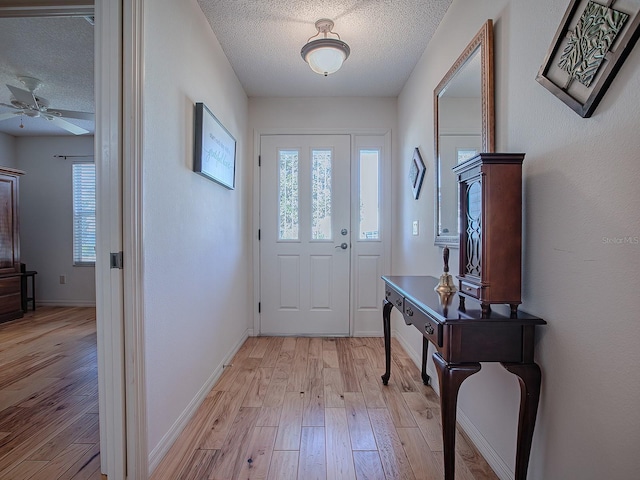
(588, 50)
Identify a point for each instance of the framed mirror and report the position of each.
(464, 125)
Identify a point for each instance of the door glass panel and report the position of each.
(321, 194)
(369, 195)
(288, 194)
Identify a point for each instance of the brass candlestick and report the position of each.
(446, 285)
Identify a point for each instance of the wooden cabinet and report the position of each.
(10, 293)
(490, 187)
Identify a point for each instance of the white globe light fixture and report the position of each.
(325, 55)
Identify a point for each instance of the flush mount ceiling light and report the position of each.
(325, 55)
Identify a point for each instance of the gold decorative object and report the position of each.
(445, 285)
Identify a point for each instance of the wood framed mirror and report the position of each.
(464, 122)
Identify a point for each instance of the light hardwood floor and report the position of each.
(315, 409)
(49, 396)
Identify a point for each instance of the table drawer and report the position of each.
(395, 298)
(470, 289)
(428, 326)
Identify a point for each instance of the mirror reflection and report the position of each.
(463, 103)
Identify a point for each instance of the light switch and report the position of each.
(415, 227)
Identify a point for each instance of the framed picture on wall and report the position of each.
(416, 173)
(589, 47)
(215, 149)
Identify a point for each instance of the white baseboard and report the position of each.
(158, 453)
(493, 459)
(375, 333)
(498, 465)
(66, 303)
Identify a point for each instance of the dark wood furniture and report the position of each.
(10, 276)
(490, 188)
(462, 339)
(24, 287)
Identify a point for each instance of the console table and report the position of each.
(463, 338)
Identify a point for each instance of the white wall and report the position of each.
(581, 188)
(7, 150)
(46, 219)
(323, 114)
(196, 233)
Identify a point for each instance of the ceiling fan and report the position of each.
(26, 102)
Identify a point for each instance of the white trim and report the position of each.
(132, 193)
(167, 441)
(256, 228)
(368, 334)
(490, 455)
(109, 282)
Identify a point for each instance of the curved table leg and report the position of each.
(425, 350)
(451, 377)
(386, 324)
(529, 377)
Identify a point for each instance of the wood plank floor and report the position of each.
(49, 396)
(315, 409)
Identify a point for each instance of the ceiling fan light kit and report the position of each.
(25, 102)
(325, 55)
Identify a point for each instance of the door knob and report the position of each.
(343, 246)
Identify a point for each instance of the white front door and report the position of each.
(305, 234)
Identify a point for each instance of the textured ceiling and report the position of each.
(262, 40)
(59, 52)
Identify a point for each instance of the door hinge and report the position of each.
(259, 234)
(259, 307)
(116, 260)
(259, 160)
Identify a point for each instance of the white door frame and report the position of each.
(132, 141)
(109, 291)
(385, 200)
(119, 53)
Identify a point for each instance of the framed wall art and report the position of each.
(215, 149)
(590, 46)
(416, 173)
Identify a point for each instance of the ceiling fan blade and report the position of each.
(68, 126)
(21, 95)
(7, 116)
(10, 106)
(72, 114)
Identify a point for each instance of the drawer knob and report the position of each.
(429, 329)
(468, 289)
(409, 312)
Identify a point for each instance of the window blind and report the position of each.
(84, 214)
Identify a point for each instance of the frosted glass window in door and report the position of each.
(369, 195)
(288, 194)
(321, 194)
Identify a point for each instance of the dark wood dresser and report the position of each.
(462, 338)
(10, 275)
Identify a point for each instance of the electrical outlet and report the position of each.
(63, 279)
(416, 230)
